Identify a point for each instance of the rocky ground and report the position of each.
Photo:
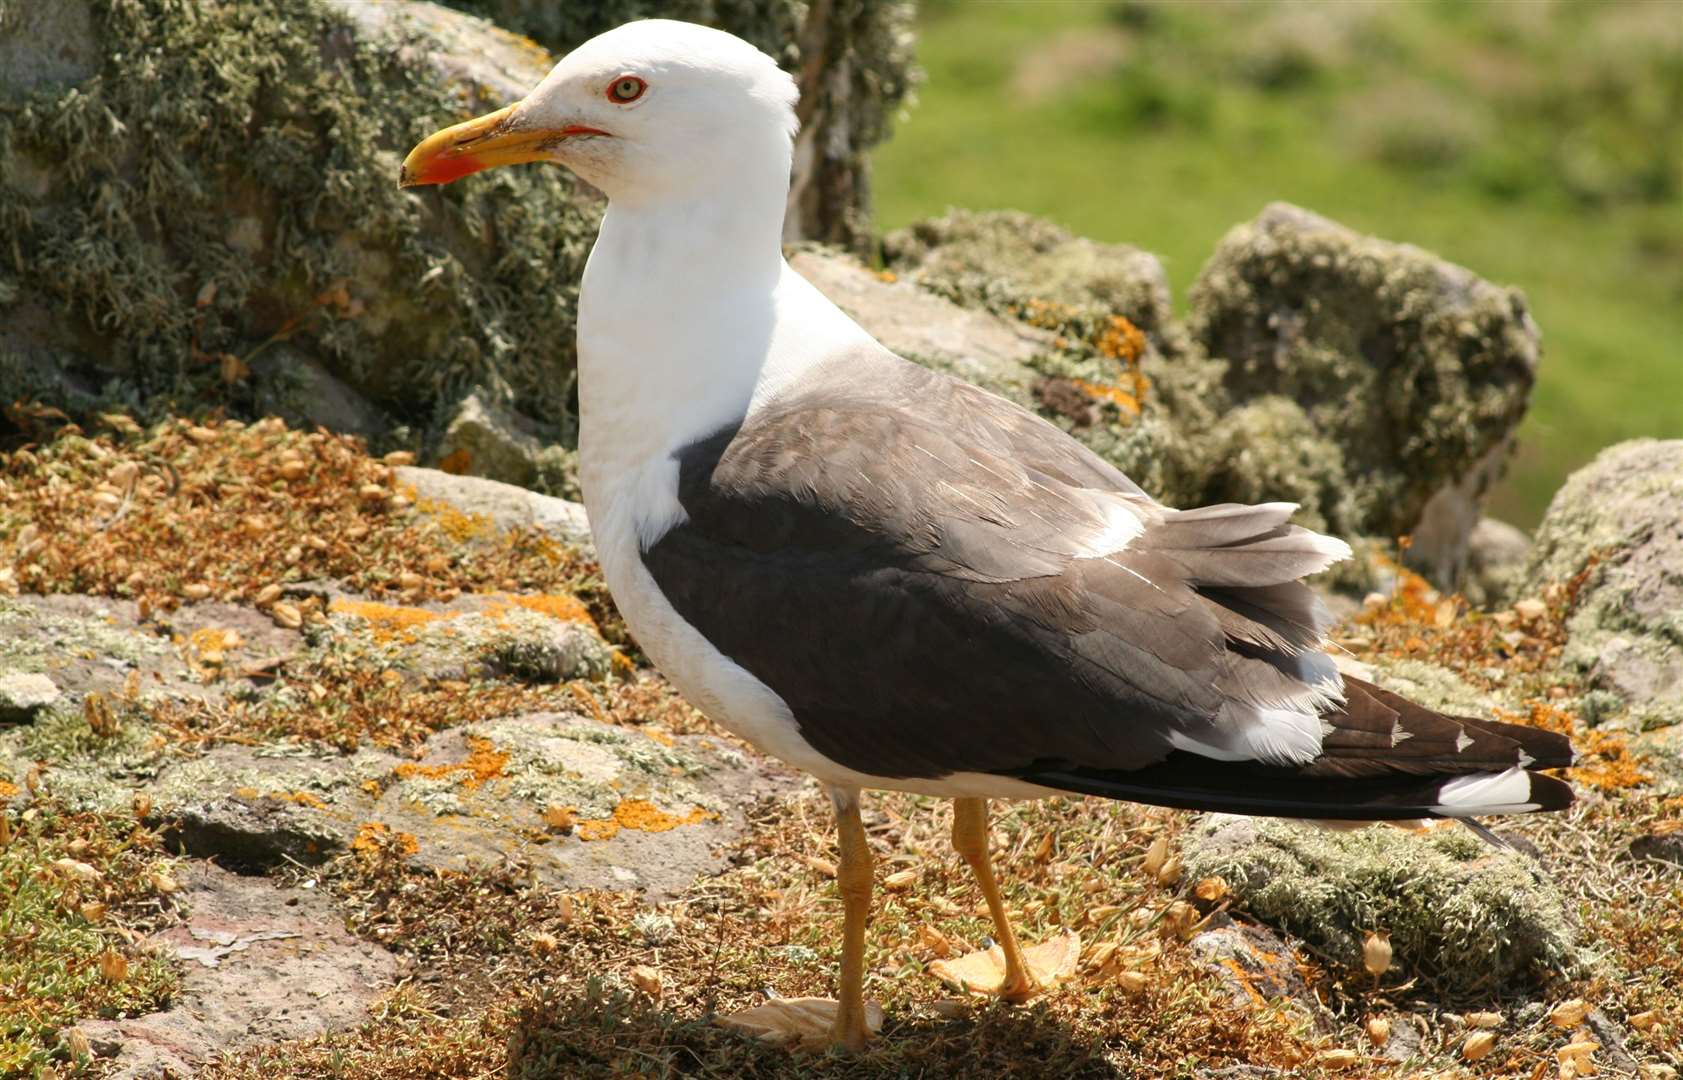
(321, 765)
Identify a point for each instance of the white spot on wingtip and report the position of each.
(1462, 741)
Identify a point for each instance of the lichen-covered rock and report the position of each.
(490, 441)
(1621, 518)
(1496, 556)
(1470, 918)
(587, 804)
(975, 345)
(1414, 368)
(241, 193)
(1006, 259)
(479, 508)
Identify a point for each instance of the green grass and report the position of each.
(1527, 147)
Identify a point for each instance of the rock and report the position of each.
(46, 46)
(260, 964)
(301, 390)
(494, 506)
(93, 643)
(1496, 556)
(1664, 847)
(1003, 259)
(488, 440)
(640, 810)
(1472, 918)
(975, 345)
(1417, 370)
(1623, 513)
(23, 694)
(1258, 969)
(529, 638)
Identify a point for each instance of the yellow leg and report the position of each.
(853, 874)
(970, 839)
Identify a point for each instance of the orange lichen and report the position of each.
(1117, 396)
(484, 762)
(7, 789)
(389, 622)
(302, 798)
(376, 837)
(1121, 340)
(456, 524)
(641, 815)
(559, 606)
(1605, 759)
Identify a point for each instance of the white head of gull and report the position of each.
(892, 579)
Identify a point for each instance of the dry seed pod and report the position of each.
(1484, 1019)
(1578, 1053)
(1378, 1031)
(1211, 890)
(545, 944)
(408, 579)
(1132, 982)
(198, 590)
(113, 966)
(372, 493)
(1155, 856)
(1478, 1045)
(1569, 1014)
(267, 595)
(399, 457)
(1376, 952)
(1169, 872)
(1642, 1021)
(1339, 1059)
(5, 828)
(77, 1043)
(292, 469)
(93, 911)
(935, 941)
(287, 616)
(1102, 954)
(201, 435)
(646, 979)
(163, 883)
(900, 879)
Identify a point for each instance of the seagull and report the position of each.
(892, 579)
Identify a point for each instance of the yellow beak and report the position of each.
(481, 143)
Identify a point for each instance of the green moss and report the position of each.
(1470, 919)
(252, 149)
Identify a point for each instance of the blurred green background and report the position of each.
(1538, 142)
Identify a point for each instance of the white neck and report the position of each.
(688, 316)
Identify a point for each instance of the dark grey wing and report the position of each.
(934, 586)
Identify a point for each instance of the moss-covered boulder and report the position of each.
(1007, 260)
(1415, 369)
(222, 183)
(1468, 918)
(1620, 519)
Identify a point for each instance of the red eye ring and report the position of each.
(626, 89)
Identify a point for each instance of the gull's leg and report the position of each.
(970, 839)
(849, 1021)
(853, 875)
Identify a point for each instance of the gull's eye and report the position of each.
(626, 89)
